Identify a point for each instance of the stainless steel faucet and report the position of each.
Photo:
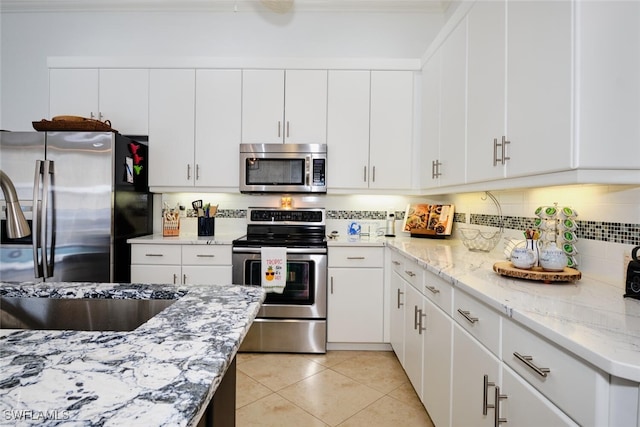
(17, 225)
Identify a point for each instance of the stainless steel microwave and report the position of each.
(283, 168)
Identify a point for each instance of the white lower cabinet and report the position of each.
(526, 407)
(476, 373)
(355, 301)
(181, 264)
(436, 363)
(396, 318)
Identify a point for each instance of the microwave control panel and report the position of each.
(319, 173)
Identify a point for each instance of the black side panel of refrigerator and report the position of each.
(133, 203)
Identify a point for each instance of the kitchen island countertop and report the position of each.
(163, 373)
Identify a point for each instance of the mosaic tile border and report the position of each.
(613, 232)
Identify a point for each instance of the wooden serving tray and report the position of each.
(506, 268)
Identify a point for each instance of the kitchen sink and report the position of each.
(78, 314)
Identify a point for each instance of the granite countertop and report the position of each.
(165, 372)
(590, 318)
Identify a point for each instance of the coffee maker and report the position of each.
(632, 288)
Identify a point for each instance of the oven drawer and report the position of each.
(357, 257)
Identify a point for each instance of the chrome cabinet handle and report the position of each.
(184, 279)
(279, 125)
(373, 174)
(421, 315)
(400, 293)
(485, 394)
(467, 315)
(365, 174)
(153, 254)
(410, 273)
(175, 277)
(503, 145)
(435, 169)
(355, 257)
(331, 285)
(527, 360)
(432, 289)
(497, 420)
(504, 149)
(205, 256)
(188, 171)
(197, 171)
(394, 262)
(287, 128)
(415, 317)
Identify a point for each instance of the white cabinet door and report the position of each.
(355, 305)
(486, 90)
(262, 106)
(391, 127)
(397, 315)
(124, 100)
(471, 361)
(453, 107)
(206, 275)
(348, 129)
(430, 143)
(414, 342)
(73, 92)
(436, 367)
(305, 107)
(608, 66)
(525, 407)
(156, 274)
(217, 127)
(539, 87)
(171, 127)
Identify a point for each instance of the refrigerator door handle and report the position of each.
(47, 258)
(35, 226)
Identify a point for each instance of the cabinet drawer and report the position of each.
(356, 257)
(478, 319)
(577, 388)
(397, 262)
(438, 291)
(413, 273)
(206, 255)
(155, 254)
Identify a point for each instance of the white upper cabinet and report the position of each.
(608, 124)
(171, 127)
(539, 87)
(453, 108)
(430, 153)
(284, 106)
(194, 123)
(348, 129)
(217, 129)
(391, 130)
(486, 91)
(118, 95)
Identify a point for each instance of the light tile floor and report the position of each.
(339, 388)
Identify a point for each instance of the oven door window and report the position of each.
(299, 289)
(275, 171)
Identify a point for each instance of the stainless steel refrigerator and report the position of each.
(83, 194)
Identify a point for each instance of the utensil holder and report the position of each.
(206, 226)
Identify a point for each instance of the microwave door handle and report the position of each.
(308, 174)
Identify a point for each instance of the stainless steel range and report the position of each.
(296, 320)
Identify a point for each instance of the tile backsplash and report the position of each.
(608, 216)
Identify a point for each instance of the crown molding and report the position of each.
(362, 6)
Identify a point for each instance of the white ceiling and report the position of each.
(280, 6)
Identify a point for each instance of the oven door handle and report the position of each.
(306, 251)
